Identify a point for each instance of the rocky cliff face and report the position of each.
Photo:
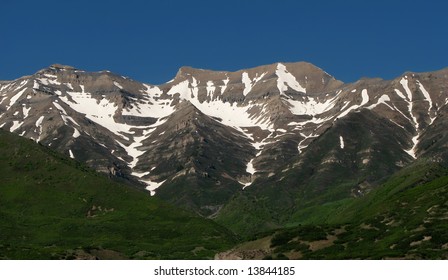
(204, 136)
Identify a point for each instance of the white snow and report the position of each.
(39, 121)
(428, 98)
(140, 174)
(341, 142)
(404, 83)
(15, 125)
(152, 186)
(224, 87)
(50, 76)
(286, 79)
(365, 97)
(64, 115)
(210, 88)
(35, 85)
(71, 154)
(14, 99)
(47, 82)
(365, 100)
(411, 151)
(133, 149)
(300, 146)
(381, 100)
(250, 167)
(250, 83)
(99, 111)
(25, 111)
(400, 94)
(310, 106)
(76, 133)
(247, 83)
(117, 85)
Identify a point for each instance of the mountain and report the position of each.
(251, 148)
(52, 207)
(402, 219)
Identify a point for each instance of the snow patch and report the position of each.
(310, 106)
(76, 133)
(224, 87)
(250, 167)
(64, 115)
(14, 99)
(428, 98)
(286, 79)
(365, 97)
(404, 83)
(117, 85)
(341, 142)
(152, 186)
(381, 100)
(210, 88)
(39, 121)
(15, 125)
(71, 154)
(25, 111)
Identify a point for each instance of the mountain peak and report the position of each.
(61, 66)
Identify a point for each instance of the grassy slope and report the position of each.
(53, 207)
(405, 218)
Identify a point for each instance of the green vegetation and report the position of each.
(404, 218)
(52, 207)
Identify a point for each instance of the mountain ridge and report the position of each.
(269, 115)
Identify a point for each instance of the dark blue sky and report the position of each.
(149, 40)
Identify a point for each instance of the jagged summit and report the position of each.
(218, 132)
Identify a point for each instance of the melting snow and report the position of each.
(365, 97)
(25, 111)
(250, 167)
(15, 125)
(35, 85)
(247, 83)
(116, 84)
(152, 186)
(404, 83)
(341, 142)
(64, 115)
(76, 133)
(399, 93)
(286, 79)
(381, 100)
(428, 98)
(224, 87)
(210, 88)
(311, 106)
(365, 100)
(14, 99)
(71, 154)
(47, 82)
(39, 121)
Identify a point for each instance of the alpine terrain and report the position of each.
(275, 146)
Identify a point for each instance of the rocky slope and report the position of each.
(287, 132)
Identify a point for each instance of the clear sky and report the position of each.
(149, 40)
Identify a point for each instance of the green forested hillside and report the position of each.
(52, 207)
(404, 218)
